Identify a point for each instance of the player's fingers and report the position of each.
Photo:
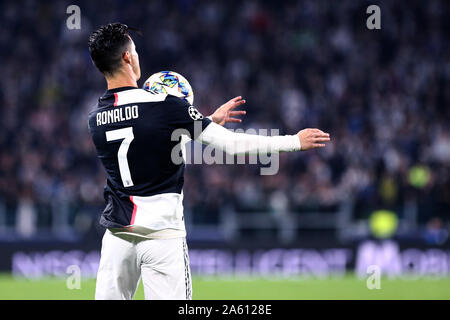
(318, 131)
(238, 113)
(236, 98)
(318, 145)
(233, 120)
(321, 135)
(322, 139)
(237, 104)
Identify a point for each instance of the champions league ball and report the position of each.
(170, 82)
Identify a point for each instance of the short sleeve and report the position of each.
(182, 115)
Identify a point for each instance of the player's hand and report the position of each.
(312, 138)
(225, 113)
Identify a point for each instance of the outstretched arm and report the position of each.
(240, 143)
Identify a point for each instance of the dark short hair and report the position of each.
(107, 45)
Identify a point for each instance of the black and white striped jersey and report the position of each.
(132, 130)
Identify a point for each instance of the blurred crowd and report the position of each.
(383, 95)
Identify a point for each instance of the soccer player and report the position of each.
(131, 129)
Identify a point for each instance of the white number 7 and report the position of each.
(127, 135)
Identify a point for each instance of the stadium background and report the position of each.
(378, 194)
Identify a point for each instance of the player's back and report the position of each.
(132, 132)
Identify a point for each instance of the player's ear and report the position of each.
(127, 57)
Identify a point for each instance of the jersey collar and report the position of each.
(119, 89)
(108, 97)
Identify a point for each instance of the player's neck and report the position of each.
(121, 80)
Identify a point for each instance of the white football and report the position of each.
(170, 82)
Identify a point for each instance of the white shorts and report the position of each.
(163, 265)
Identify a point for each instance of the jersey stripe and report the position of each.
(137, 96)
(133, 215)
(187, 272)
